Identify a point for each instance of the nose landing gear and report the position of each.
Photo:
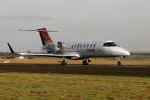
(119, 62)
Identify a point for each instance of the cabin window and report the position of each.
(87, 45)
(80, 45)
(84, 46)
(94, 45)
(74, 46)
(77, 45)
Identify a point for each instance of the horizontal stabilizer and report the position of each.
(37, 30)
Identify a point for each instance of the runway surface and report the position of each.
(140, 71)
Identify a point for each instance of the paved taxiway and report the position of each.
(141, 71)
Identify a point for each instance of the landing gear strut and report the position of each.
(119, 62)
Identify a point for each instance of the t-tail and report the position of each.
(46, 40)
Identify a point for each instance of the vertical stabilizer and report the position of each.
(46, 40)
(44, 36)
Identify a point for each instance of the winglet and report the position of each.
(10, 48)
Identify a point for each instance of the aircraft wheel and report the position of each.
(119, 63)
(63, 62)
(85, 62)
(89, 60)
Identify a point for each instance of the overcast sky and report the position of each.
(125, 21)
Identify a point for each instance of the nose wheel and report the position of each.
(119, 63)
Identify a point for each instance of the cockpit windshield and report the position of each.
(110, 44)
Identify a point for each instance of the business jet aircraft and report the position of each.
(76, 50)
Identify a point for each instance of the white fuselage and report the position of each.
(95, 49)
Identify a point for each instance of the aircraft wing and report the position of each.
(59, 55)
(70, 54)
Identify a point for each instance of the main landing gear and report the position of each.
(63, 62)
(86, 61)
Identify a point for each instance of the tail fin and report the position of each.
(11, 49)
(44, 36)
(46, 40)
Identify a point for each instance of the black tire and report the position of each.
(63, 62)
(89, 60)
(84, 62)
(119, 63)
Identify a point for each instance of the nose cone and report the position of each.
(118, 51)
(125, 53)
